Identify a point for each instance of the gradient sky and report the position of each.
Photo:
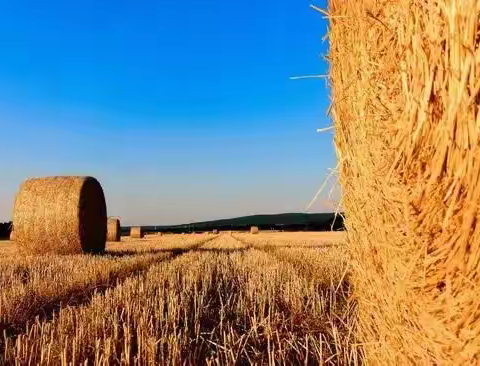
(183, 110)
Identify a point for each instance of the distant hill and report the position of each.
(286, 221)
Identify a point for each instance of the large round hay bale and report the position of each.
(253, 230)
(63, 215)
(405, 82)
(113, 229)
(136, 232)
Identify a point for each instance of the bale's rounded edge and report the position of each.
(93, 217)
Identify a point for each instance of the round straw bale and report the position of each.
(253, 230)
(215, 231)
(405, 86)
(62, 215)
(136, 232)
(113, 229)
(12, 235)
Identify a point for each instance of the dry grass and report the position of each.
(202, 299)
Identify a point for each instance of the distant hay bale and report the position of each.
(136, 232)
(60, 215)
(405, 84)
(113, 229)
(12, 235)
(253, 230)
(215, 231)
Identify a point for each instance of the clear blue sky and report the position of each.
(182, 109)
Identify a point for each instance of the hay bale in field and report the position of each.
(253, 230)
(12, 235)
(215, 231)
(113, 229)
(405, 84)
(136, 232)
(62, 215)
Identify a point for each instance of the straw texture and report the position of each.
(62, 215)
(405, 82)
(113, 229)
(136, 232)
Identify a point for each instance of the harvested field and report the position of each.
(173, 299)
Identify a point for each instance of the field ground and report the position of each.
(233, 298)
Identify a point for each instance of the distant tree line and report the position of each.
(280, 222)
(5, 229)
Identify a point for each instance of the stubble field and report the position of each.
(232, 298)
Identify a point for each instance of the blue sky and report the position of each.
(183, 110)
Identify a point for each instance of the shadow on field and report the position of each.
(173, 251)
(179, 251)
